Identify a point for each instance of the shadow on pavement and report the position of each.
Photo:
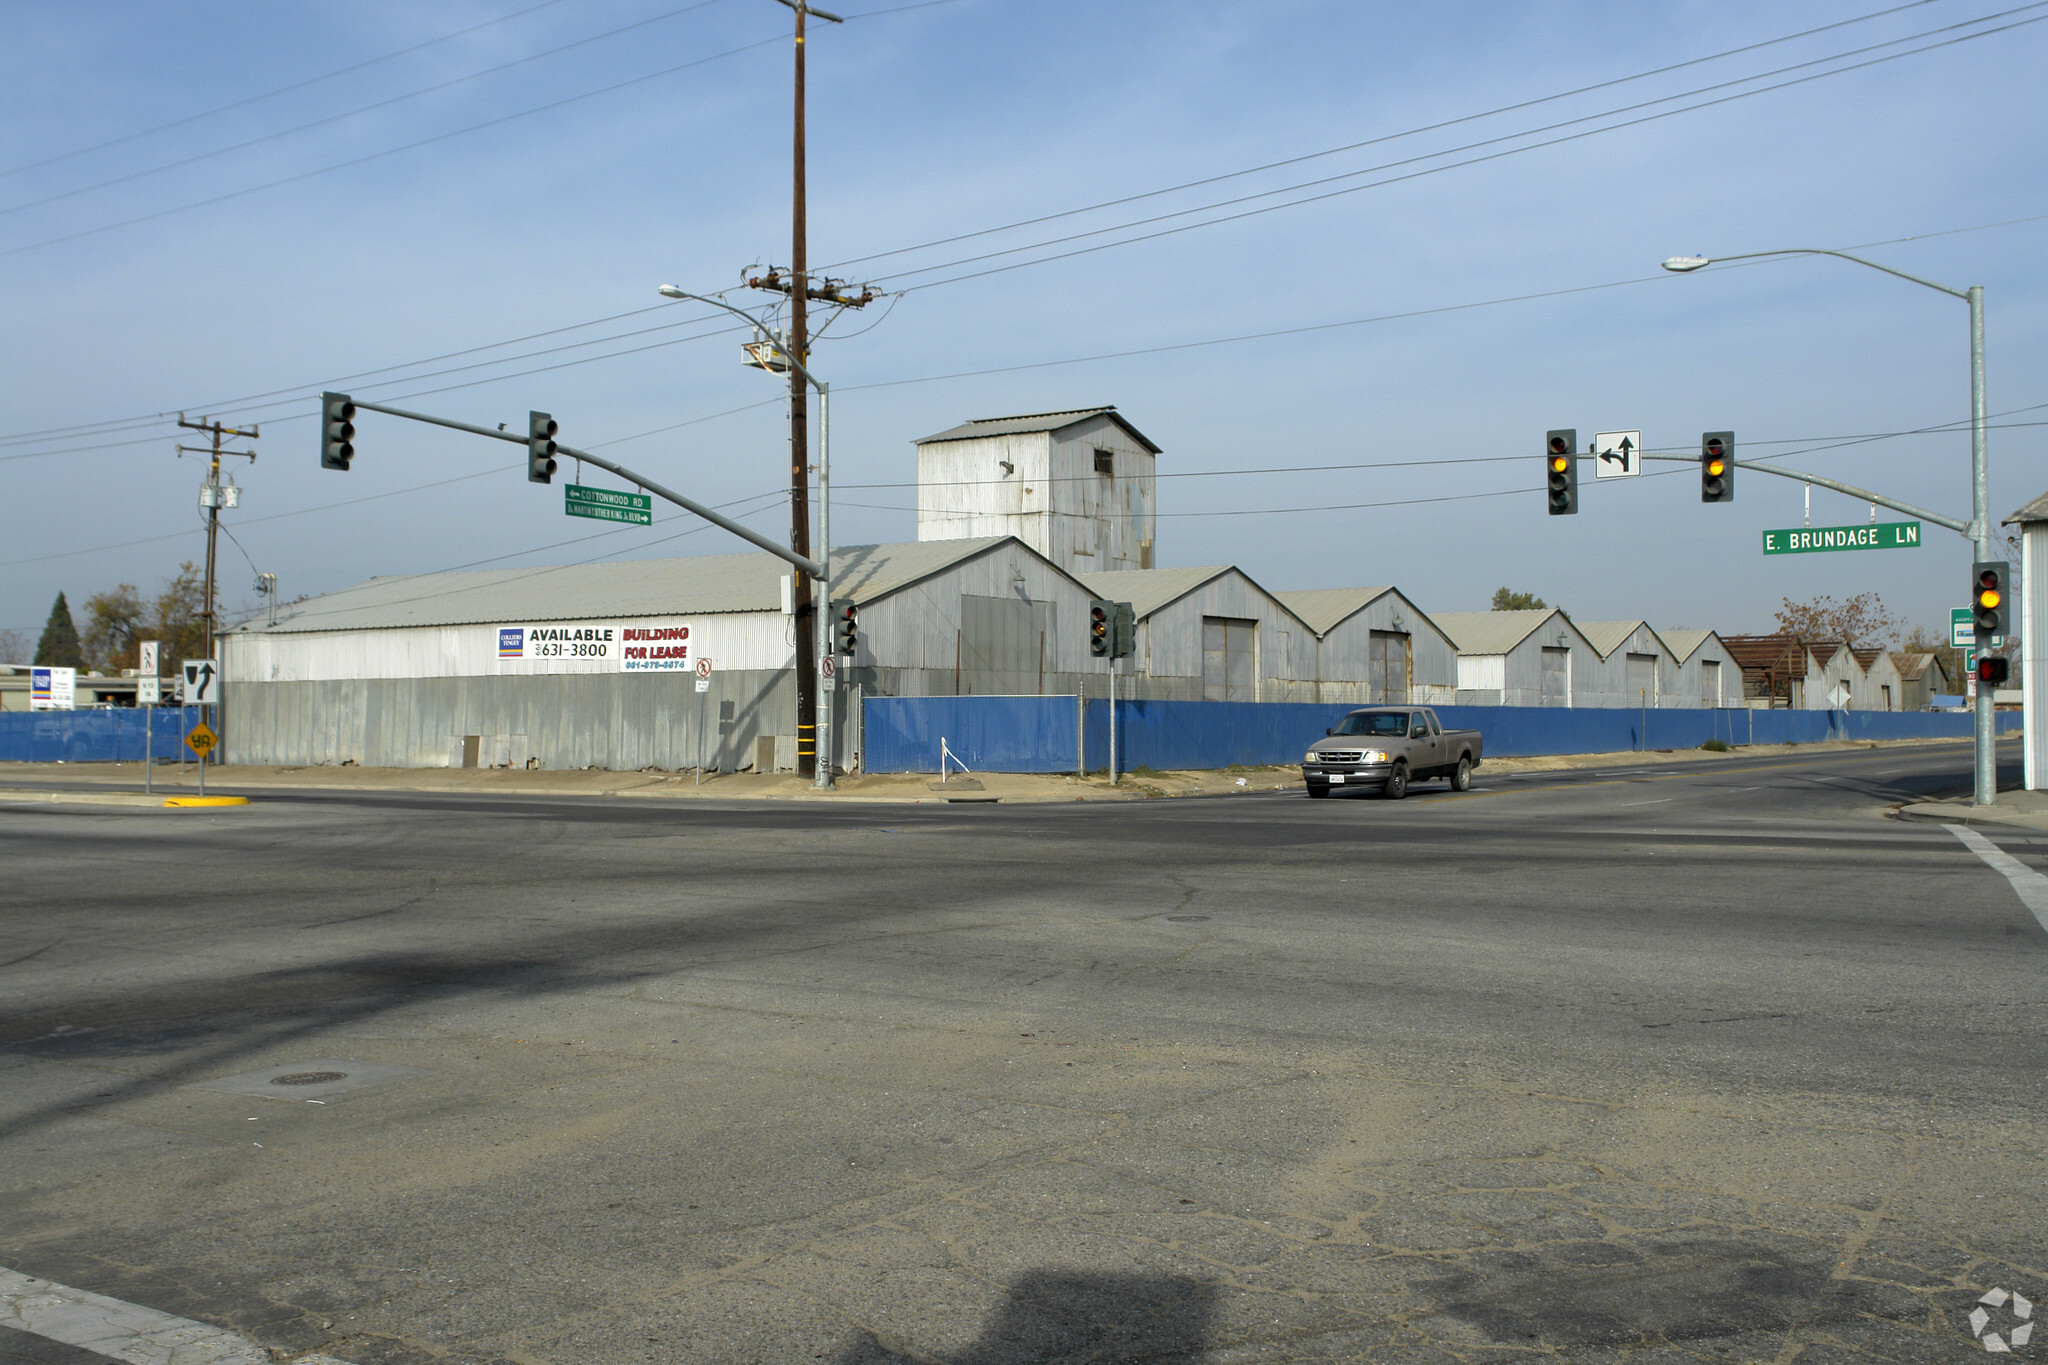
(1056, 1315)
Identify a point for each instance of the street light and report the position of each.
(821, 627)
(1980, 483)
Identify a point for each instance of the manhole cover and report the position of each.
(309, 1078)
(1187, 919)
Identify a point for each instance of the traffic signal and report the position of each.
(540, 447)
(1988, 599)
(1992, 670)
(1717, 466)
(1123, 632)
(1102, 629)
(845, 628)
(1561, 471)
(337, 431)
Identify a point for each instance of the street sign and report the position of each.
(201, 740)
(1882, 535)
(704, 665)
(1614, 454)
(703, 684)
(202, 682)
(1962, 632)
(605, 504)
(827, 667)
(146, 664)
(148, 690)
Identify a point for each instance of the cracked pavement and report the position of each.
(1543, 1072)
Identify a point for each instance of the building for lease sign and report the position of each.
(596, 646)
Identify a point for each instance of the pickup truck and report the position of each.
(1384, 748)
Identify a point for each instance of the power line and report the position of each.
(322, 122)
(1398, 179)
(1375, 141)
(280, 90)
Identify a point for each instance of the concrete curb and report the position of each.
(1939, 813)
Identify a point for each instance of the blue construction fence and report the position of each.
(1038, 734)
(114, 736)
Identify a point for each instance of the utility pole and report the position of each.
(212, 497)
(809, 612)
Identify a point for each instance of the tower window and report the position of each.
(1105, 462)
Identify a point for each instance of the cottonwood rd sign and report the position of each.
(604, 504)
(1883, 535)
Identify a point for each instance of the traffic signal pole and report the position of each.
(748, 534)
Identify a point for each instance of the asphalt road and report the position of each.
(1702, 1063)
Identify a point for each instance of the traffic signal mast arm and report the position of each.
(1861, 494)
(752, 537)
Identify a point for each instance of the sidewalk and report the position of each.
(48, 782)
(2024, 809)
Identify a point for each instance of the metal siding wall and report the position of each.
(1082, 510)
(615, 721)
(957, 498)
(2034, 648)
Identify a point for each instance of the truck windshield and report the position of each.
(1391, 723)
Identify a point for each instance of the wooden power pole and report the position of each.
(211, 497)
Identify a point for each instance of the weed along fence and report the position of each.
(94, 736)
(1038, 734)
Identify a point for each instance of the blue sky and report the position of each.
(665, 158)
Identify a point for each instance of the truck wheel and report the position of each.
(1461, 780)
(1397, 782)
(1318, 792)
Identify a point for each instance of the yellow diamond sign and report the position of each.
(201, 740)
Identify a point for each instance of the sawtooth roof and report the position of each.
(1323, 609)
(1608, 636)
(1494, 632)
(698, 585)
(1683, 644)
(1037, 421)
(1147, 590)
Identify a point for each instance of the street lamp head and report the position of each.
(669, 291)
(1685, 265)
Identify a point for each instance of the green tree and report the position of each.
(114, 621)
(59, 646)
(1505, 599)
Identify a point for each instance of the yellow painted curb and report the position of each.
(207, 801)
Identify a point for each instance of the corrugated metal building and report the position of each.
(1077, 486)
(1883, 687)
(1374, 645)
(1210, 634)
(1520, 658)
(591, 665)
(1704, 670)
(1636, 669)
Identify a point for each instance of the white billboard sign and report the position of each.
(645, 646)
(52, 689)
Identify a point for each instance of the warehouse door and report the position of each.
(1387, 668)
(1557, 677)
(1002, 643)
(1642, 680)
(1230, 659)
(1710, 682)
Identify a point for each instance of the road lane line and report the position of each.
(125, 1331)
(2031, 886)
(1662, 800)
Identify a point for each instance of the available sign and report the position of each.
(604, 504)
(1883, 535)
(52, 689)
(646, 646)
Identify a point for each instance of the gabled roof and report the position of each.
(1778, 654)
(1147, 590)
(1608, 636)
(2037, 510)
(1683, 644)
(1324, 608)
(1914, 665)
(1494, 632)
(1037, 421)
(1866, 656)
(698, 585)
